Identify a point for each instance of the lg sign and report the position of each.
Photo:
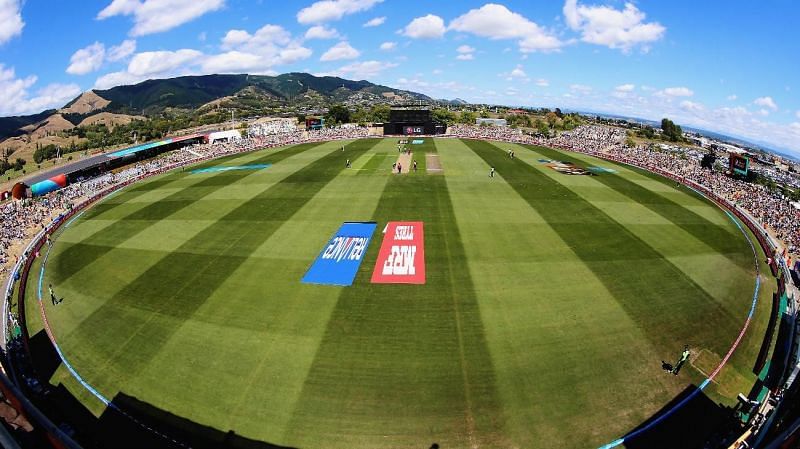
(401, 259)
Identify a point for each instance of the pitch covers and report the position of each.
(401, 259)
(339, 260)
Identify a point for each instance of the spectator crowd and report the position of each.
(769, 208)
(20, 220)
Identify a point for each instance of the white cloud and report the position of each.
(493, 21)
(675, 92)
(797, 114)
(164, 64)
(540, 43)
(51, 96)
(363, 70)
(541, 82)
(271, 43)
(91, 58)
(119, 7)
(153, 63)
(625, 88)
(439, 72)
(604, 25)
(342, 50)
(291, 54)
(763, 112)
(232, 62)
(329, 10)
(15, 98)
(691, 106)
(11, 23)
(236, 37)
(498, 22)
(113, 79)
(255, 53)
(732, 97)
(425, 27)
(155, 16)
(465, 53)
(87, 59)
(121, 51)
(378, 21)
(266, 36)
(518, 73)
(320, 32)
(766, 102)
(387, 46)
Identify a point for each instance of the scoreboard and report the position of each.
(412, 121)
(738, 164)
(315, 123)
(409, 115)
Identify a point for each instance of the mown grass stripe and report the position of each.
(149, 310)
(721, 239)
(67, 264)
(141, 188)
(219, 179)
(653, 291)
(397, 366)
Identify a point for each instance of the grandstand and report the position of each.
(51, 180)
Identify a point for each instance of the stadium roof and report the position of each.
(91, 161)
(150, 145)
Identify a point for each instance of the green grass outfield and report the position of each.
(549, 304)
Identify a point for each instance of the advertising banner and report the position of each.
(339, 260)
(401, 259)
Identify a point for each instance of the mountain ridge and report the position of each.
(294, 90)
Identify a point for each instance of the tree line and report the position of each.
(669, 132)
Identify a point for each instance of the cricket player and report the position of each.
(683, 359)
(53, 298)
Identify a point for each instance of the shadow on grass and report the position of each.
(139, 425)
(122, 431)
(43, 355)
(700, 423)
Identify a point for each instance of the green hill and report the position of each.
(247, 94)
(190, 92)
(10, 126)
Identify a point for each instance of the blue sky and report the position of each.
(730, 67)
